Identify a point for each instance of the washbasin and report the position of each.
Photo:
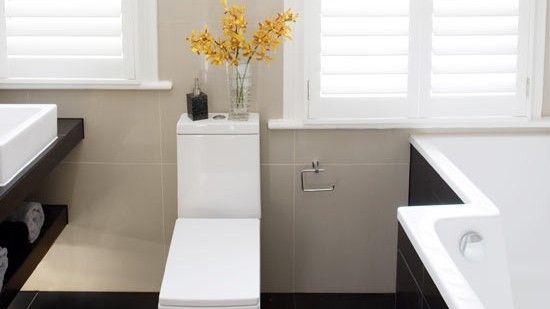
(26, 130)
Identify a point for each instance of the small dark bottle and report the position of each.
(197, 103)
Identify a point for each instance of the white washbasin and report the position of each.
(26, 130)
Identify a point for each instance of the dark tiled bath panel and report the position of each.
(415, 288)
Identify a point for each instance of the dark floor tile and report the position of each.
(344, 301)
(94, 300)
(22, 300)
(277, 301)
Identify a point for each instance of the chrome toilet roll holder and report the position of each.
(314, 170)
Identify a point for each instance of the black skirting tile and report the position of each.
(277, 301)
(344, 301)
(93, 300)
(118, 300)
(22, 300)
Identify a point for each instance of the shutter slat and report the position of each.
(97, 46)
(473, 83)
(73, 68)
(364, 65)
(499, 25)
(365, 8)
(475, 45)
(474, 64)
(337, 26)
(63, 8)
(364, 45)
(64, 26)
(364, 84)
(476, 7)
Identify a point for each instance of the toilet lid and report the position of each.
(213, 263)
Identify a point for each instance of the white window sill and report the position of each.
(84, 84)
(496, 123)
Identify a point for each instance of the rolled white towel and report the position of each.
(3, 265)
(32, 214)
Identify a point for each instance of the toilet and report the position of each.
(214, 257)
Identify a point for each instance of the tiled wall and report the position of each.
(121, 182)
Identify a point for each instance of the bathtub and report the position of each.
(504, 183)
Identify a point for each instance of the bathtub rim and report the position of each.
(419, 222)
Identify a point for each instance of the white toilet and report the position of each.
(214, 259)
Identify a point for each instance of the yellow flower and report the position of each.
(233, 47)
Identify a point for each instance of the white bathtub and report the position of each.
(504, 181)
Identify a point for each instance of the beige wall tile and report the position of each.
(121, 199)
(346, 240)
(277, 228)
(129, 127)
(13, 96)
(178, 11)
(88, 259)
(269, 88)
(120, 126)
(348, 146)
(170, 200)
(114, 240)
(277, 147)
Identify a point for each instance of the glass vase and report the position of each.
(239, 82)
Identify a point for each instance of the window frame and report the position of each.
(297, 108)
(141, 67)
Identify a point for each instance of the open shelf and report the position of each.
(55, 222)
(69, 133)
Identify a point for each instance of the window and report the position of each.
(414, 59)
(98, 43)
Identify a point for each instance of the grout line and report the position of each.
(276, 164)
(162, 198)
(336, 164)
(175, 22)
(116, 163)
(356, 164)
(409, 270)
(263, 164)
(294, 214)
(32, 300)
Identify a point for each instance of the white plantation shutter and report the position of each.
(475, 56)
(67, 39)
(363, 54)
(416, 58)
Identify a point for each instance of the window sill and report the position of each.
(83, 85)
(497, 123)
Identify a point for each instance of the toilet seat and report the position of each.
(213, 263)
